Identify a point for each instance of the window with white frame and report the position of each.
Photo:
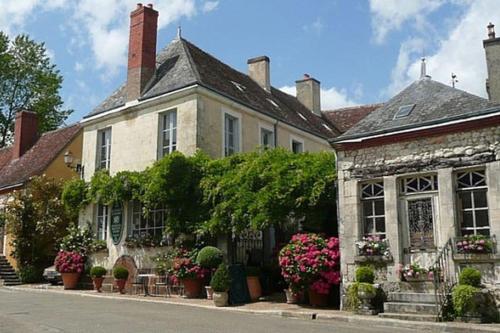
(372, 201)
(104, 148)
(472, 202)
(102, 221)
(266, 137)
(297, 146)
(231, 135)
(153, 224)
(419, 184)
(168, 133)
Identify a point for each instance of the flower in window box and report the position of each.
(474, 244)
(373, 246)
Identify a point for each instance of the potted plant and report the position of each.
(120, 274)
(97, 274)
(209, 258)
(253, 282)
(372, 246)
(366, 291)
(474, 244)
(221, 281)
(190, 274)
(415, 273)
(70, 265)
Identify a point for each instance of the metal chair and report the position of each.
(162, 281)
(136, 284)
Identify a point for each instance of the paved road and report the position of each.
(24, 311)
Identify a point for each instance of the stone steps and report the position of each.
(409, 297)
(416, 301)
(8, 276)
(400, 307)
(409, 316)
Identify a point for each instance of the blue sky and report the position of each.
(362, 51)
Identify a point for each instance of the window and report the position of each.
(404, 111)
(266, 137)
(168, 133)
(372, 200)
(297, 146)
(231, 135)
(104, 148)
(152, 225)
(472, 202)
(419, 184)
(102, 222)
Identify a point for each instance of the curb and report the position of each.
(449, 327)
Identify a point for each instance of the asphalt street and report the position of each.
(25, 311)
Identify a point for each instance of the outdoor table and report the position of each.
(145, 282)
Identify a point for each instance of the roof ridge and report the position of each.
(60, 129)
(190, 58)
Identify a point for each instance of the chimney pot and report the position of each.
(308, 93)
(492, 51)
(139, 6)
(25, 133)
(491, 31)
(150, 5)
(259, 71)
(306, 76)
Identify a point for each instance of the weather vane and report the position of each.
(453, 79)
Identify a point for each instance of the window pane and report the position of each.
(465, 197)
(367, 208)
(467, 220)
(485, 232)
(482, 218)
(380, 224)
(368, 225)
(379, 207)
(480, 199)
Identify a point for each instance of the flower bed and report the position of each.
(474, 244)
(373, 246)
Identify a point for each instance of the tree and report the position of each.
(28, 81)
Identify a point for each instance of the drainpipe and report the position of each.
(276, 133)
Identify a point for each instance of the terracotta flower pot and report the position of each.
(291, 297)
(70, 280)
(315, 299)
(221, 298)
(121, 285)
(192, 287)
(98, 283)
(210, 292)
(254, 287)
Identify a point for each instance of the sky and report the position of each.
(362, 51)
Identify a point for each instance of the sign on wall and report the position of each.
(116, 223)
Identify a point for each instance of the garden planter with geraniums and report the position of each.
(97, 274)
(310, 263)
(253, 282)
(190, 274)
(71, 266)
(416, 273)
(120, 274)
(474, 244)
(209, 258)
(220, 283)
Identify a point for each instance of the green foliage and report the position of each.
(98, 245)
(470, 276)
(366, 288)
(221, 281)
(352, 301)
(463, 299)
(28, 81)
(210, 257)
(120, 273)
(78, 239)
(74, 195)
(30, 274)
(365, 274)
(37, 220)
(253, 271)
(98, 272)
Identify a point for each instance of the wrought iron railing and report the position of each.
(444, 278)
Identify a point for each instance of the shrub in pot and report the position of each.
(120, 274)
(253, 282)
(209, 258)
(97, 274)
(190, 274)
(71, 266)
(470, 277)
(221, 281)
(365, 277)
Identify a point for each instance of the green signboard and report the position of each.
(116, 224)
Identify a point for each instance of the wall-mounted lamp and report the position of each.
(72, 163)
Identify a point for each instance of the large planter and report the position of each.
(220, 298)
(316, 299)
(98, 283)
(120, 283)
(291, 297)
(192, 287)
(70, 280)
(254, 287)
(366, 298)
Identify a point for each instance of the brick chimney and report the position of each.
(25, 133)
(258, 70)
(492, 50)
(141, 50)
(308, 93)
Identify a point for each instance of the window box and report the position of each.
(374, 259)
(474, 245)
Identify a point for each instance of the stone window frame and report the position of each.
(296, 140)
(419, 184)
(152, 227)
(472, 188)
(103, 158)
(373, 196)
(171, 130)
(237, 133)
(102, 221)
(263, 128)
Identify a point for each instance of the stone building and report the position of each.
(185, 99)
(422, 171)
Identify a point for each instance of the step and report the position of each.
(417, 287)
(420, 308)
(412, 297)
(409, 316)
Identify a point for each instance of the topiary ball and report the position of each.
(470, 277)
(120, 273)
(365, 275)
(210, 257)
(98, 272)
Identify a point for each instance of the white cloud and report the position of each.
(460, 51)
(316, 26)
(14, 13)
(79, 67)
(389, 15)
(331, 98)
(210, 6)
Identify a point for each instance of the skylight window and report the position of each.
(302, 116)
(404, 111)
(239, 86)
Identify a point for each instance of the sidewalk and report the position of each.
(275, 308)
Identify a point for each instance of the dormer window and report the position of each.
(404, 111)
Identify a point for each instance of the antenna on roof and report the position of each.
(179, 32)
(453, 79)
(423, 69)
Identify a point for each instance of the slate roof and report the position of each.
(183, 64)
(37, 158)
(345, 118)
(434, 102)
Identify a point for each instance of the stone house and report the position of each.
(184, 99)
(423, 170)
(31, 155)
